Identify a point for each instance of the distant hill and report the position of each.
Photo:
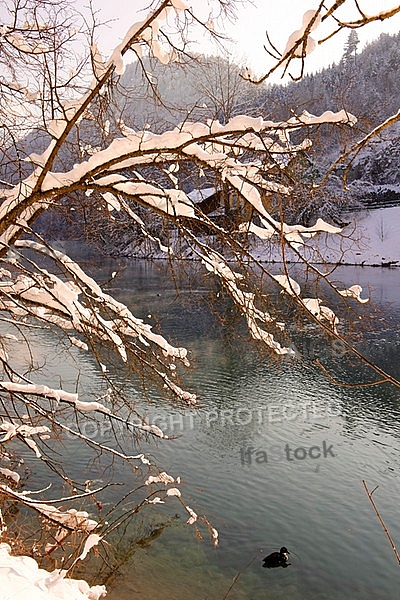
(160, 96)
(367, 84)
(157, 96)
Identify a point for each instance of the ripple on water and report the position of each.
(316, 507)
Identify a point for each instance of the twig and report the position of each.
(369, 494)
(238, 574)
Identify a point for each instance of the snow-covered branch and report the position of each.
(327, 19)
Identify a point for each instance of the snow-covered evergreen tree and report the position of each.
(350, 49)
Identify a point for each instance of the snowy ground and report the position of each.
(21, 579)
(370, 239)
(379, 236)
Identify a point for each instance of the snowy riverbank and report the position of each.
(378, 232)
(369, 239)
(22, 579)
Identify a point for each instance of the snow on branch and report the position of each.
(328, 20)
(63, 297)
(78, 304)
(314, 305)
(354, 292)
(149, 32)
(72, 519)
(295, 235)
(245, 301)
(214, 145)
(12, 430)
(46, 392)
(75, 109)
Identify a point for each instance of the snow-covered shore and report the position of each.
(22, 579)
(369, 239)
(378, 233)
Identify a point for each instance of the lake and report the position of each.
(275, 456)
(257, 409)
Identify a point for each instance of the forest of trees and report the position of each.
(366, 83)
(213, 87)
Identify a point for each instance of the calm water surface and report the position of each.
(256, 409)
(243, 459)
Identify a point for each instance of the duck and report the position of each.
(277, 559)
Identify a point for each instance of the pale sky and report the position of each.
(279, 17)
